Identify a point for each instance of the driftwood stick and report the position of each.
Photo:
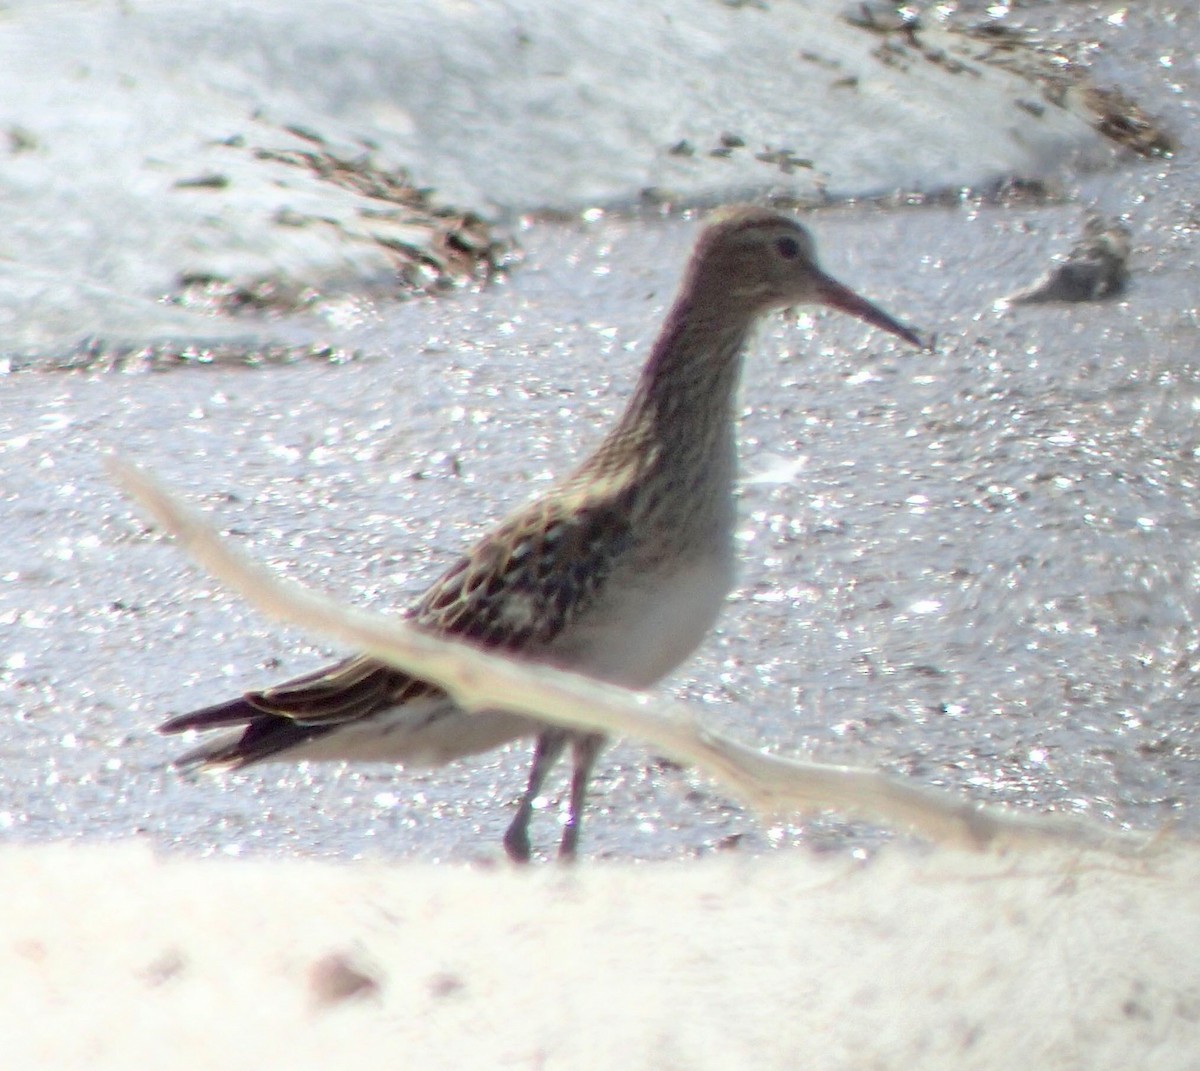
(480, 681)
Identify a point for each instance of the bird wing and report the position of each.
(515, 590)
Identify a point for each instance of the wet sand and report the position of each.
(997, 596)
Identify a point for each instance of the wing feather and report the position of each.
(516, 590)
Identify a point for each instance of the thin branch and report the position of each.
(479, 681)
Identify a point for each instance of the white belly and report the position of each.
(653, 627)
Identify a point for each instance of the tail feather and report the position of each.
(262, 739)
(262, 735)
(232, 712)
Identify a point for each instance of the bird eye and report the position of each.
(788, 248)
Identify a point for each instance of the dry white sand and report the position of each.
(111, 958)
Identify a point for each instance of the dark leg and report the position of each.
(549, 747)
(584, 749)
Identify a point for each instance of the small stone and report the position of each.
(1095, 269)
(337, 978)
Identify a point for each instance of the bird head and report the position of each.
(761, 259)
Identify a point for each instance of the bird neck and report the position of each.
(680, 418)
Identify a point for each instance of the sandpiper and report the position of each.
(618, 571)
